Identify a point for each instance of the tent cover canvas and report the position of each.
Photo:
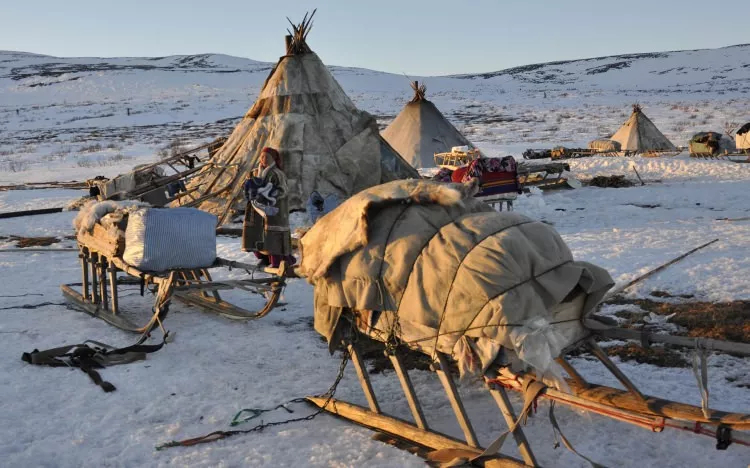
(420, 130)
(742, 137)
(327, 144)
(639, 134)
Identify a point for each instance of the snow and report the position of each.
(215, 366)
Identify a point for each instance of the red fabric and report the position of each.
(458, 174)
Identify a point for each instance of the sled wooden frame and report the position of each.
(663, 153)
(149, 190)
(544, 176)
(453, 161)
(98, 295)
(630, 406)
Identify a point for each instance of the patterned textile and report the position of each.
(479, 166)
(443, 175)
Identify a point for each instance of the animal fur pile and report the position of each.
(92, 212)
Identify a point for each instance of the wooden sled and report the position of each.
(662, 153)
(153, 188)
(546, 176)
(739, 157)
(630, 406)
(98, 293)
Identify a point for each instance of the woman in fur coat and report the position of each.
(265, 230)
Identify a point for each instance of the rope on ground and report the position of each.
(218, 435)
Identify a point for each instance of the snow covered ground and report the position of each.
(215, 367)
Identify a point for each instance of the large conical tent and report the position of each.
(327, 144)
(420, 130)
(639, 134)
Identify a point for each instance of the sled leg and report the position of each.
(577, 378)
(364, 379)
(113, 285)
(214, 292)
(502, 400)
(102, 271)
(411, 397)
(443, 373)
(602, 356)
(85, 274)
(94, 279)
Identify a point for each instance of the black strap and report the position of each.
(92, 355)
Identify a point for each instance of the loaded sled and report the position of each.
(108, 265)
(426, 267)
(157, 183)
(501, 180)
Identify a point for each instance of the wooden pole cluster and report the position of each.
(419, 91)
(296, 44)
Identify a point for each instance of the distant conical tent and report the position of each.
(420, 130)
(639, 134)
(326, 143)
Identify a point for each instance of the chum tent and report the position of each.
(640, 135)
(327, 144)
(420, 130)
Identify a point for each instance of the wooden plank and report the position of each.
(364, 379)
(506, 408)
(455, 399)
(623, 405)
(602, 356)
(411, 396)
(404, 430)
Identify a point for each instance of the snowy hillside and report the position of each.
(103, 112)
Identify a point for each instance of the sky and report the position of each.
(415, 37)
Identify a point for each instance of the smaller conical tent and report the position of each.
(420, 130)
(326, 143)
(639, 134)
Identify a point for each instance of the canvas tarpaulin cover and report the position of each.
(424, 261)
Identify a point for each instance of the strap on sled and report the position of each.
(91, 355)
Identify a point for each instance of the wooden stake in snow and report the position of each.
(637, 175)
(658, 269)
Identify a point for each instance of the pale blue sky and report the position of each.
(419, 37)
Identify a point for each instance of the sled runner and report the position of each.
(427, 267)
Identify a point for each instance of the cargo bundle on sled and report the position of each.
(425, 266)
